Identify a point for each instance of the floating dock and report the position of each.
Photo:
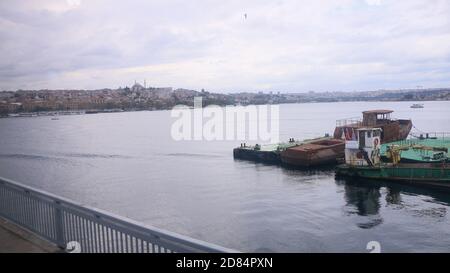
(306, 153)
(327, 150)
(269, 153)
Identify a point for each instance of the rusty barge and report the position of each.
(314, 153)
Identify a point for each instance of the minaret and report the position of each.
(145, 84)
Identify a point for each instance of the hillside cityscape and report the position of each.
(140, 97)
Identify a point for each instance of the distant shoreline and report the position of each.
(139, 97)
(103, 111)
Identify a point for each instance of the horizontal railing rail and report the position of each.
(438, 135)
(64, 221)
(348, 121)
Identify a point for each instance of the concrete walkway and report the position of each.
(14, 239)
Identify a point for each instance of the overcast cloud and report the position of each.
(282, 45)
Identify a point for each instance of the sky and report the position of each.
(225, 46)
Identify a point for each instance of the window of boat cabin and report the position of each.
(362, 139)
(372, 118)
(381, 117)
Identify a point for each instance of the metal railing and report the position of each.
(61, 221)
(348, 121)
(435, 135)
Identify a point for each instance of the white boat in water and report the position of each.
(417, 105)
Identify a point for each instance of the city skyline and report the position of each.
(287, 46)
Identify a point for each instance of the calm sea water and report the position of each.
(127, 163)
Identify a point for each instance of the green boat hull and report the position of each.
(433, 174)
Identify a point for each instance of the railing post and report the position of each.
(59, 225)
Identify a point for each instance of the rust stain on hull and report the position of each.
(392, 129)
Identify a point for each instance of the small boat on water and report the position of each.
(27, 115)
(363, 160)
(417, 105)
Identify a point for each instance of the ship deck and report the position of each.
(418, 155)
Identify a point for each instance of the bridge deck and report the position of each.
(14, 239)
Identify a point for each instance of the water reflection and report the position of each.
(393, 196)
(364, 198)
(307, 173)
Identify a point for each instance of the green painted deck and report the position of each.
(419, 155)
(272, 147)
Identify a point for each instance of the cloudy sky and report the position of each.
(281, 45)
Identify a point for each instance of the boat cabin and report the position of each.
(376, 117)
